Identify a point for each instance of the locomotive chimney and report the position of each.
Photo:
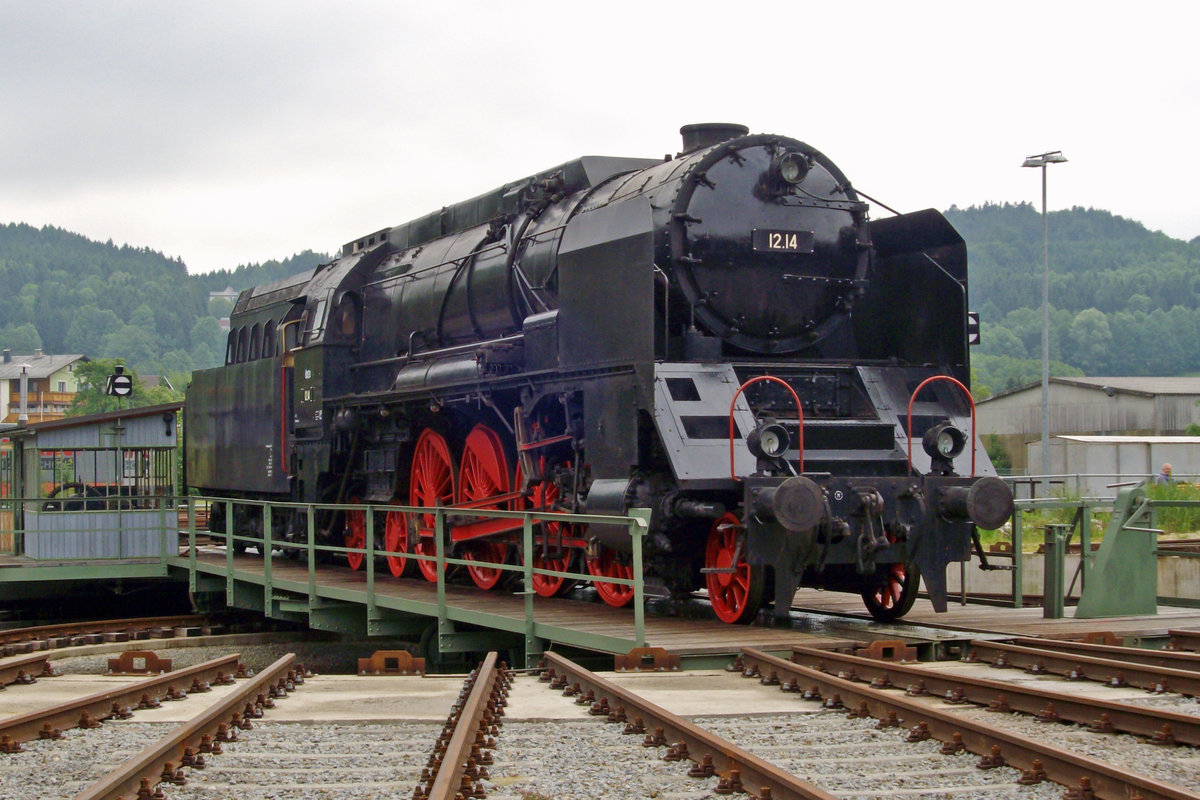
(706, 134)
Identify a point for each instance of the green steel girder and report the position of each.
(289, 608)
(34, 573)
(478, 641)
(384, 622)
(203, 583)
(239, 594)
(339, 618)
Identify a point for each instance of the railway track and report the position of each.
(1156, 671)
(117, 703)
(680, 735)
(26, 670)
(18, 641)
(1184, 640)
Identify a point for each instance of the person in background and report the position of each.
(1164, 476)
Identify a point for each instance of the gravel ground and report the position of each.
(64, 768)
(853, 758)
(316, 762)
(1176, 765)
(585, 760)
(562, 759)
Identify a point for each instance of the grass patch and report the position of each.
(1177, 521)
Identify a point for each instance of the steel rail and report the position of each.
(757, 775)
(448, 781)
(26, 669)
(160, 761)
(44, 632)
(1184, 639)
(1172, 659)
(1077, 666)
(1062, 766)
(91, 710)
(999, 695)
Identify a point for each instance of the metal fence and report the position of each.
(89, 528)
(1131, 531)
(311, 551)
(1077, 484)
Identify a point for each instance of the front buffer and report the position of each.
(876, 536)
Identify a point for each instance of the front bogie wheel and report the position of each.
(735, 587)
(894, 595)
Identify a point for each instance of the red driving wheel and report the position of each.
(607, 565)
(431, 483)
(355, 535)
(395, 540)
(483, 474)
(544, 495)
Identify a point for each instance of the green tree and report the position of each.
(26, 304)
(997, 454)
(1090, 339)
(143, 317)
(132, 344)
(21, 338)
(89, 325)
(220, 307)
(207, 331)
(91, 397)
(1003, 342)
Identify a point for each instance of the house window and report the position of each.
(62, 386)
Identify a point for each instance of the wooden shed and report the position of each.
(94, 487)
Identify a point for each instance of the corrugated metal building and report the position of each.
(1090, 407)
(1095, 461)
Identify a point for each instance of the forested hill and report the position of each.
(67, 294)
(1124, 300)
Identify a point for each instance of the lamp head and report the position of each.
(1042, 159)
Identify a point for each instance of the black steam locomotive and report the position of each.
(721, 338)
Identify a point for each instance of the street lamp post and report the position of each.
(1042, 160)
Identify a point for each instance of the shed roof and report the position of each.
(37, 365)
(1147, 386)
(1089, 439)
(92, 419)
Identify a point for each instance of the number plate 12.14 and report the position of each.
(782, 241)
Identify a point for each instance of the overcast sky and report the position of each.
(236, 132)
